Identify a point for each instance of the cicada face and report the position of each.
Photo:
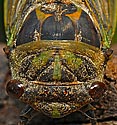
(57, 53)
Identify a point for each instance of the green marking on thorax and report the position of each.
(41, 60)
(72, 60)
(57, 68)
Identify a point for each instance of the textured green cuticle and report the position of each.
(57, 68)
(55, 113)
(41, 60)
(73, 61)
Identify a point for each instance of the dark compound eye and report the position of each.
(97, 90)
(15, 88)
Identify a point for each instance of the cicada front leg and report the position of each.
(26, 115)
(89, 112)
(93, 119)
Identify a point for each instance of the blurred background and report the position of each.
(2, 36)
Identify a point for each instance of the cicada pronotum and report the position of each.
(57, 51)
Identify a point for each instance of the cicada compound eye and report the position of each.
(15, 88)
(97, 90)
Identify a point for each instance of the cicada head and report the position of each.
(57, 51)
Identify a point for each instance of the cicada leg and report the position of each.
(91, 113)
(26, 115)
(93, 119)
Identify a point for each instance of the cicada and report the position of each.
(57, 52)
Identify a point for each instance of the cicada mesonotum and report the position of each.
(57, 51)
